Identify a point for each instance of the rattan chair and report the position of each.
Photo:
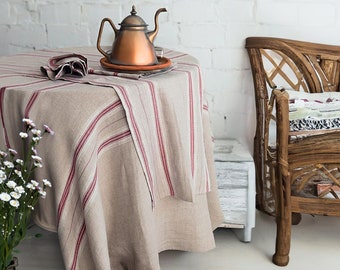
(292, 164)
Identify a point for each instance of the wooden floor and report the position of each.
(315, 245)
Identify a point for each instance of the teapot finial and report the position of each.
(133, 11)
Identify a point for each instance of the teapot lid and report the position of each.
(133, 20)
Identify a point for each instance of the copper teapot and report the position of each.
(133, 43)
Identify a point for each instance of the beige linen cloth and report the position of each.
(123, 190)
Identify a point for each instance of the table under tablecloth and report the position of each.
(112, 205)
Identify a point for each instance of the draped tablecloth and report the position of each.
(131, 161)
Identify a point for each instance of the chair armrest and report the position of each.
(281, 98)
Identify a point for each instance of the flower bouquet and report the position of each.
(19, 193)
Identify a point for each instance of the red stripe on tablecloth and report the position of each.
(19, 66)
(178, 56)
(192, 120)
(2, 93)
(207, 183)
(124, 95)
(19, 73)
(36, 93)
(42, 53)
(202, 106)
(200, 79)
(23, 84)
(160, 138)
(76, 251)
(192, 123)
(168, 53)
(90, 189)
(114, 139)
(89, 192)
(76, 153)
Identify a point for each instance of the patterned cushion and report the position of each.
(317, 111)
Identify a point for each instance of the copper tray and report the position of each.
(163, 63)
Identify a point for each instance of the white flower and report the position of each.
(38, 164)
(48, 129)
(34, 183)
(28, 122)
(18, 173)
(36, 139)
(19, 189)
(3, 176)
(34, 151)
(19, 161)
(8, 164)
(23, 135)
(15, 195)
(14, 203)
(11, 184)
(47, 183)
(37, 161)
(42, 194)
(36, 158)
(3, 154)
(36, 132)
(30, 186)
(5, 197)
(12, 151)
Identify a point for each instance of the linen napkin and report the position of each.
(67, 64)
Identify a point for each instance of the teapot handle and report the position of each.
(100, 36)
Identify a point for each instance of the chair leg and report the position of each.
(281, 256)
(296, 218)
(283, 231)
(283, 238)
(283, 221)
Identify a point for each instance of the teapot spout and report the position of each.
(152, 34)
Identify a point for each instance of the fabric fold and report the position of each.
(67, 64)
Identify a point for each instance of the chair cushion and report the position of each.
(314, 111)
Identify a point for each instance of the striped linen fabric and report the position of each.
(131, 160)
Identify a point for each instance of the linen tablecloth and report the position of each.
(127, 183)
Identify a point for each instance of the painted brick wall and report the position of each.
(214, 31)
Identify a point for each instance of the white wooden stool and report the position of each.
(235, 172)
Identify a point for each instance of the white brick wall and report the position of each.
(214, 31)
